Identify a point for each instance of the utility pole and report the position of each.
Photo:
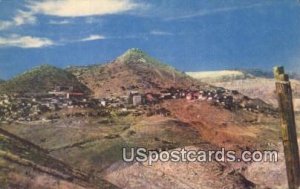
(288, 127)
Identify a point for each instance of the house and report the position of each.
(103, 103)
(66, 91)
(63, 88)
(192, 95)
(137, 100)
(189, 96)
(73, 94)
(166, 95)
(202, 97)
(151, 98)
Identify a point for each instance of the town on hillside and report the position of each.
(45, 107)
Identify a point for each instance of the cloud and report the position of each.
(78, 8)
(21, 18)
(24, 18)
(93, 38)
(5, 25)
(93, 20)
(60, 22)
(67, 8)
(25, 42)
(158, 32)
(215, 11)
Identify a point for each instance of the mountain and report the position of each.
(230, 75)
(222, 75)
(2, 81)
(134, 70)
(237, 74)
(258, 73)
(40, 80)
(255, 83)
(269, 74)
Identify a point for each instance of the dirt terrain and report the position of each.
(94, 146)
(262, 88)
(84, 144)
(176, 174)
(236, 130)
(26, 165)
(255, 83)
(133, 70)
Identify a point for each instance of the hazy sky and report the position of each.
(191, 35)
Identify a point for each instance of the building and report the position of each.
(137, 100)
(151, 98)
(189, 96)
(66, 91)
(103, 103)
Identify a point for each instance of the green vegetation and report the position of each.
(138, 56)
(40, 80)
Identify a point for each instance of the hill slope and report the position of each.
(253, 82)
(229, 75)
(40, 80)
(134, 70)
(223, 75)
(26, 165)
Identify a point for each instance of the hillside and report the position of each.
(134, 70)
(216, 76)
(263, 88)
(229, 75)
(254, 83)
(26, 165)
(268, 74)
(258, 73)
(40, 80)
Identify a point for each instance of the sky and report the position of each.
(191, 35)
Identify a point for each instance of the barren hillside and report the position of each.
(134, 70)
(26, 165)
(262, 88)
(254, 84)
(217, 76)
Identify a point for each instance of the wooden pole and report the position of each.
(288, 127)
